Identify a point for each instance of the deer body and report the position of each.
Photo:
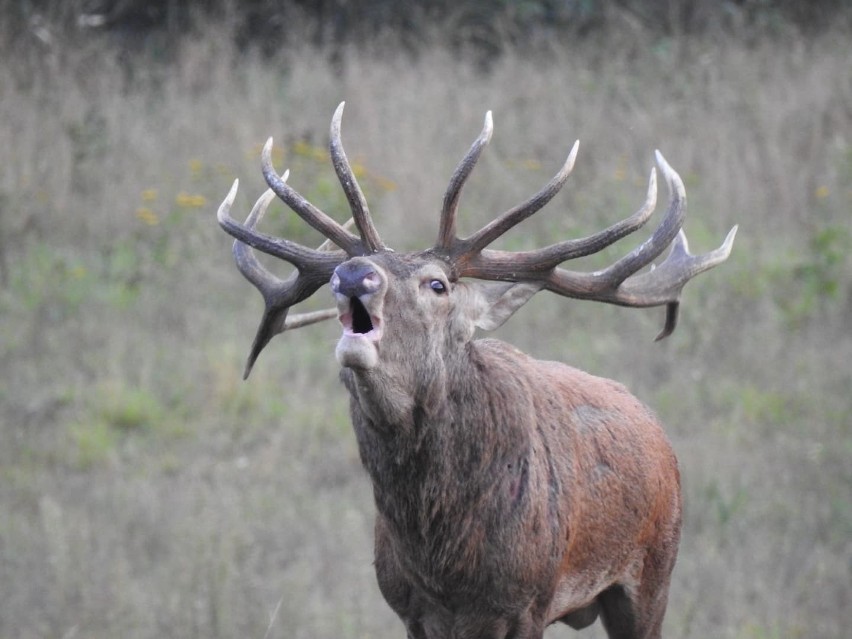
(495, 473)
(543, 519)
(510, 493)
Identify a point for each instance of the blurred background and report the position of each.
(147, 491)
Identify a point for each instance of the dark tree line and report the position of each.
(477, 23)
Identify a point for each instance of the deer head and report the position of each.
(442, 294)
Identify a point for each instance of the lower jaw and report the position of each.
(355, 351)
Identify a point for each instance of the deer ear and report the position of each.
(492, 303)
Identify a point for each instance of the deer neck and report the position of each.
(429, 418)
(393, 399)
(432, 455)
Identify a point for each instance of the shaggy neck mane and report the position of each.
(434, 458)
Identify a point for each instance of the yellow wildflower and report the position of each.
(386, 184)
(821, 192)
(149, 195)
(188, 201)
(148, 216)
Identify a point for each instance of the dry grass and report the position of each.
(145, 491)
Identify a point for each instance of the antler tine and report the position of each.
(681, 266)
(311, 317)
(447, 229)
(314, 268)
(357, 201)
(298, 255)
(606, 285)
(571, 249)
(307, 211)
(544, 259)
(662, 284)
(665, 233)
(490, 232)
(668, 279)
(246, 260)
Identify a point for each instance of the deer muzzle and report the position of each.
(359, 288)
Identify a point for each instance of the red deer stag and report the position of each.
(510, 493)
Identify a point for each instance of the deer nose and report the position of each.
(355, 278)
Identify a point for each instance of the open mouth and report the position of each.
(361, 320)
(358, 321)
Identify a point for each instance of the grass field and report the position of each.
(146, 491)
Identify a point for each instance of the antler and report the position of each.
(313, 269)
(621, 283)
(313, 266)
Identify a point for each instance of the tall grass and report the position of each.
(146, 491)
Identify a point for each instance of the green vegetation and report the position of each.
(146, 491)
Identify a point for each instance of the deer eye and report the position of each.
(438, 286)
